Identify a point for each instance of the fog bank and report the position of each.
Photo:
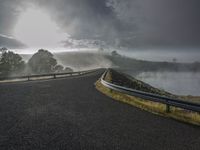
(180, 83)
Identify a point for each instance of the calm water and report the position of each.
(181, 83)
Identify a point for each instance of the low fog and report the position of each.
(83, 61)
(78, 61)
(180, 83)
(187, 55)
(135, 36)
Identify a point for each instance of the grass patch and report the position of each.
(153, 107)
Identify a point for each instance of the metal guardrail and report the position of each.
(53, 75)
(152, 97)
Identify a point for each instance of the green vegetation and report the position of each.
(10, 62)
(153, 107)
(115, 54)
(78, 60)
(42, 62)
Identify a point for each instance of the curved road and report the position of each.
(71, 114)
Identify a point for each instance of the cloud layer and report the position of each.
(127, 23)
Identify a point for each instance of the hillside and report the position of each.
(88, 60)
(125, 80)
(126, 63)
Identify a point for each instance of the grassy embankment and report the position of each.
(153, 107)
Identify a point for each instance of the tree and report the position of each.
(11, 63)
(3, 50)
(68, 69)
(174, 60)
(42, 62)
(58, 68)
(115, 54)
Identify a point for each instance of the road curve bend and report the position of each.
(70, 114)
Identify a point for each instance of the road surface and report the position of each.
(71, 114)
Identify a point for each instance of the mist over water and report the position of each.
(188, 55)
(180, 83)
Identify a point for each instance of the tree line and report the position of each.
(41, 62)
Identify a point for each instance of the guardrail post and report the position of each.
(54, 76)
(28, 78)
(167, 108)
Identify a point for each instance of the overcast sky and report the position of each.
(117, 23)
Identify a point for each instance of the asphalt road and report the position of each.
(71, 114)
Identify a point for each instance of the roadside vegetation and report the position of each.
(153, 107)
(42, 62)
(126, 63)
(105, 59)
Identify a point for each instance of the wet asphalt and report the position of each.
(70, 114)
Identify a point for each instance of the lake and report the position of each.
(180, 83)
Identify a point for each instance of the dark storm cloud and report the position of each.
(161, 22)
(126, 23)
(7, 15)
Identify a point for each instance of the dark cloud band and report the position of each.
(127, 23)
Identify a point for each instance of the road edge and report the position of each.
(136, 102)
